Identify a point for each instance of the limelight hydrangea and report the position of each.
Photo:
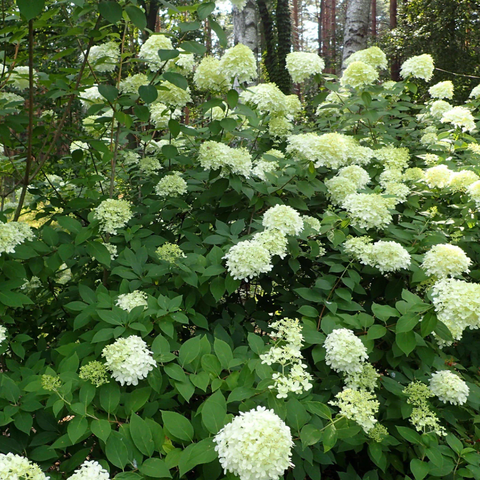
(132, 83)
(274, 241)
(294, 105)
(399, 190)
(149, 165)
(438, 176)
(367, 379)
(438, 108)
(388, 256)
(358, 74)
(279, 127)
(358, 247)
(9, 97)
(372, 56)
(248, 259)
(77, 145)
(460, 181)
(420, 66)
(160, 114)
(359, 406)
(214, 155)
(475, 93)
(358, 175)
(3, 334)
(368, 210)
(446, 260)
(112, 215)
(129, 157)
(129, 360)
(311, 222)
(457, 305)
(19, 78)
(264, 166)
(210, 76)
(339, 188)
(239, 62)
(413, 174)
(16, 467)
(474, 191)
(392, 157)
(171, 186)
(345, 352)
(301, 65)
(95, 373)
(91, 96)
(13, 234)
(172, 95)
(170, 252)
(390, 175)
(283, 218)
(449, 387)
(149, 51)
(128, 301)
(255, 445)
(442, 90)
(460, 117)
(182, 64)
(105, 57)
(90, 470)
(267, 97)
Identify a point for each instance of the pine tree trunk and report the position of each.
(356, 27)
(245, 26)
(284, 34)
(270, 57)
(395, 66)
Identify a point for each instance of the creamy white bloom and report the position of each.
(149, 165)
(420, 66)
(19, 78)
(438, 108)
(255, 445)
(160, 114)
(274, 241)
(449, 387)
(90, 470)
(210, 76)
(13, 234)
(174, 96)
(388, 256)
(359, 406)
(438, 176)
(398, 190)
(446, 260)
(358, 247)
(3, 334)
(149, 51)
(113, 214)
(358, 175)
(129, 360)
(475, 93)
(442, 90)
(393, 157)
(171, 186)
(91, 96)
(357, 74)
(132, 83)
(182, 64)
(264, 166)
(339, 188)
(267, 97)
(16, 467)
(283, 218)
(460, 181)
(345, 352)
(460, 117)
(239, 62)
(301, 65)
(248, 259)
(311, 222)
(216, 155)
(368, 210)
(474, 191)
(128, 301)
(372, 56)
(279, 126)
(367, 379)
(104, 58)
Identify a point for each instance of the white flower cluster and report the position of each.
(91, 96)
(457, 304)
(438, 108)
(266, 97)
(90, 470)
(367, 379)
(273, 240)
(3, 334)
(19, 78)
(239, 62)
(442, 90)
(113, 214)
(132, 83)
(149, 51)
(13, 234)
(255, 445)
(172, 95)
(368, 210)
(129, 360)
(284, 219)
(264, 166)
(128, 301)
(210, 76)
(359, 406)
(160, 114)
(345, 352)
(475, 93)
(171, 186)
(474, 191)
(182, 64)
(387, 256)
(105, 57)
(16, 467)
(214, 155)
(301, 65)
(347, 181)
(420, 66)
(372, 56)
(248, 259)
(449, 387)
(438, 176)
(286, 352)
(393, 157)
(445, 260)
(460, 117)
(149, 165)
(358, 74)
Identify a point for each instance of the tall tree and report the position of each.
(245, 26)
(356, 27)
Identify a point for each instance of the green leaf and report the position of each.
(109, 92)
(70, 224)
(384, 312)
(223, 352)
(205, 9)
(217, 287)
(30, 8)
(320, 409)
(222, 37)
(193, 47)
(406, 342)
(376, 331)
(141, 435)
(137, 16)
(197, 454)
(232, 98)
(310, 435)
(329, 438)
(76, 428)
(211, 364)
(213, 412)
(177, 426)
(428, 324)
(443, 331)
(98, 251)
(189, 351)
(409, 435)
(297, 415)
(407, 323)
(155, 468)
(148, 93)
(109, 396)
(116, 450)
(178, 80)
(101, 429)
(111, 11)
(419, 469)
(455, 444)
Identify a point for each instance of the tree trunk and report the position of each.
(395, 66)
(284, 34)
(296, 26)
(356, 27)
(245, 26)
(374, 19)
(270, 57)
